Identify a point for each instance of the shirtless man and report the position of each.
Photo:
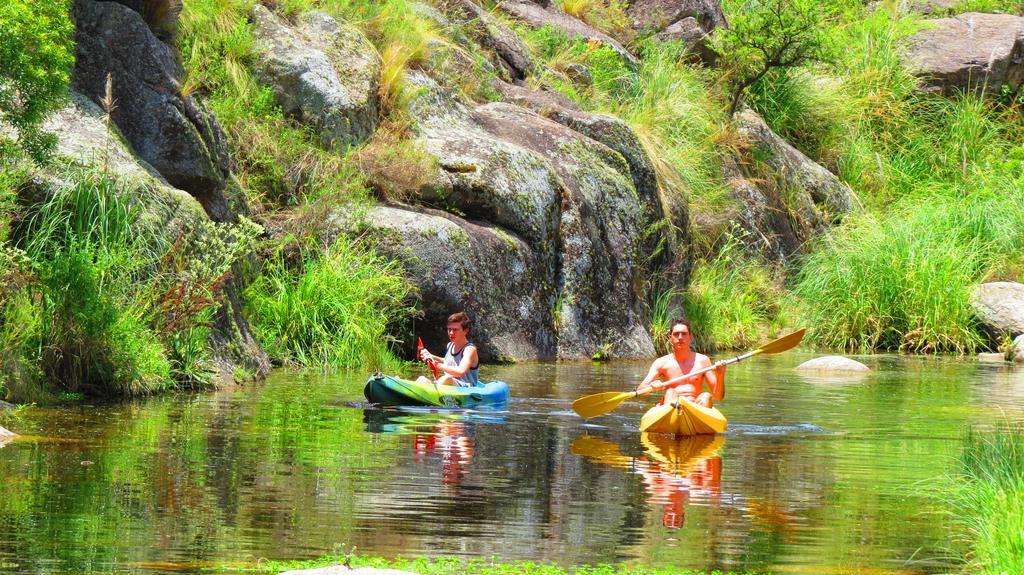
(681, 361)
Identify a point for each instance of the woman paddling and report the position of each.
(460, 363)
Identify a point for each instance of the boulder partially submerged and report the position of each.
(343, 570)
(833, 364)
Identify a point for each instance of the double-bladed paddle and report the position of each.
(602, 403)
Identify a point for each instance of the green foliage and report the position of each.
(607, 15)
(732, 299)
(331, 312)
(988, 498)
(36, 53)
(903, 282)
(765, 35)
(448, 565)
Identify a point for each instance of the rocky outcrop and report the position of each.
(833, 363)
(567, 202)
(508, 50)
(1016, 350)
(488, 271)
(324, 73)
(83, 139)
(971, 51)
(762, 215)
(689, 21)
(937, 7)
(816, 197)
(999, 307)
(537, 16)
(166, 128)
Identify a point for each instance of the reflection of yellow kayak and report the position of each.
(683, 417)
(680, 454)
(677, 456)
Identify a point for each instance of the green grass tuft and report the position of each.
(332, 312)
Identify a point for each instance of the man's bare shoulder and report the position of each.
(701, 359)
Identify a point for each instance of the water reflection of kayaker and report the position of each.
(673, 470)
(460, 364)
(680, 362)
(455, 444)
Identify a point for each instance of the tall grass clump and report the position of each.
(333, 311)
(903, 281)
(987, 495)
(90, 255)
(732, 300)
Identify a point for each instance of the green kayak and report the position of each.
(387, 390)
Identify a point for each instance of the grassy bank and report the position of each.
(987, 495)
(455, 565)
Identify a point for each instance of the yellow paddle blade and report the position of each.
(599, 403)
(784, 343)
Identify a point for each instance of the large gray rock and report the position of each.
(570, 198)
(999, 307)
(971, 51)
(691, 21)
(6, 436)
(324, 73)
(172, 132)
(816, 196)
(510, 53)
(5, 433)
(537, 17)
(83, 140)
(487, 271)
(833, 363)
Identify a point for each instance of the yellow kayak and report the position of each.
(683, 418)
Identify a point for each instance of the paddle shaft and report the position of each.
(700, 371)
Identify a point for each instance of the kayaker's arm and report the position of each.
(716, 381)
(652, 375)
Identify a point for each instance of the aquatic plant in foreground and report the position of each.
(452, 565)
(988, 498)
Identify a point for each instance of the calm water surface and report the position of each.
(816, 475)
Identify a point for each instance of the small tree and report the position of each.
(768, 34)
(36, 53)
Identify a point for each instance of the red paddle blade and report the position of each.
(419, 344)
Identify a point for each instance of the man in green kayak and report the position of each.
(668, 371)
(460, 364)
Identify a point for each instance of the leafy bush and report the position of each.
(331, 312)
(36, 53)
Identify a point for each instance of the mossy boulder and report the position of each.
(689, 21)
(166, 128)
(457, 264)
(999, 308)
(569, 197)
(507, 49)
(810, 195)
(323, 71)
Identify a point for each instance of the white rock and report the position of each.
(833, 363)
(991, 357)
(1000, 308)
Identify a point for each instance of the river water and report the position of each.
(816, 475)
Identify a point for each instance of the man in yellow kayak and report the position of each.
(460, 364)
(680, 362)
